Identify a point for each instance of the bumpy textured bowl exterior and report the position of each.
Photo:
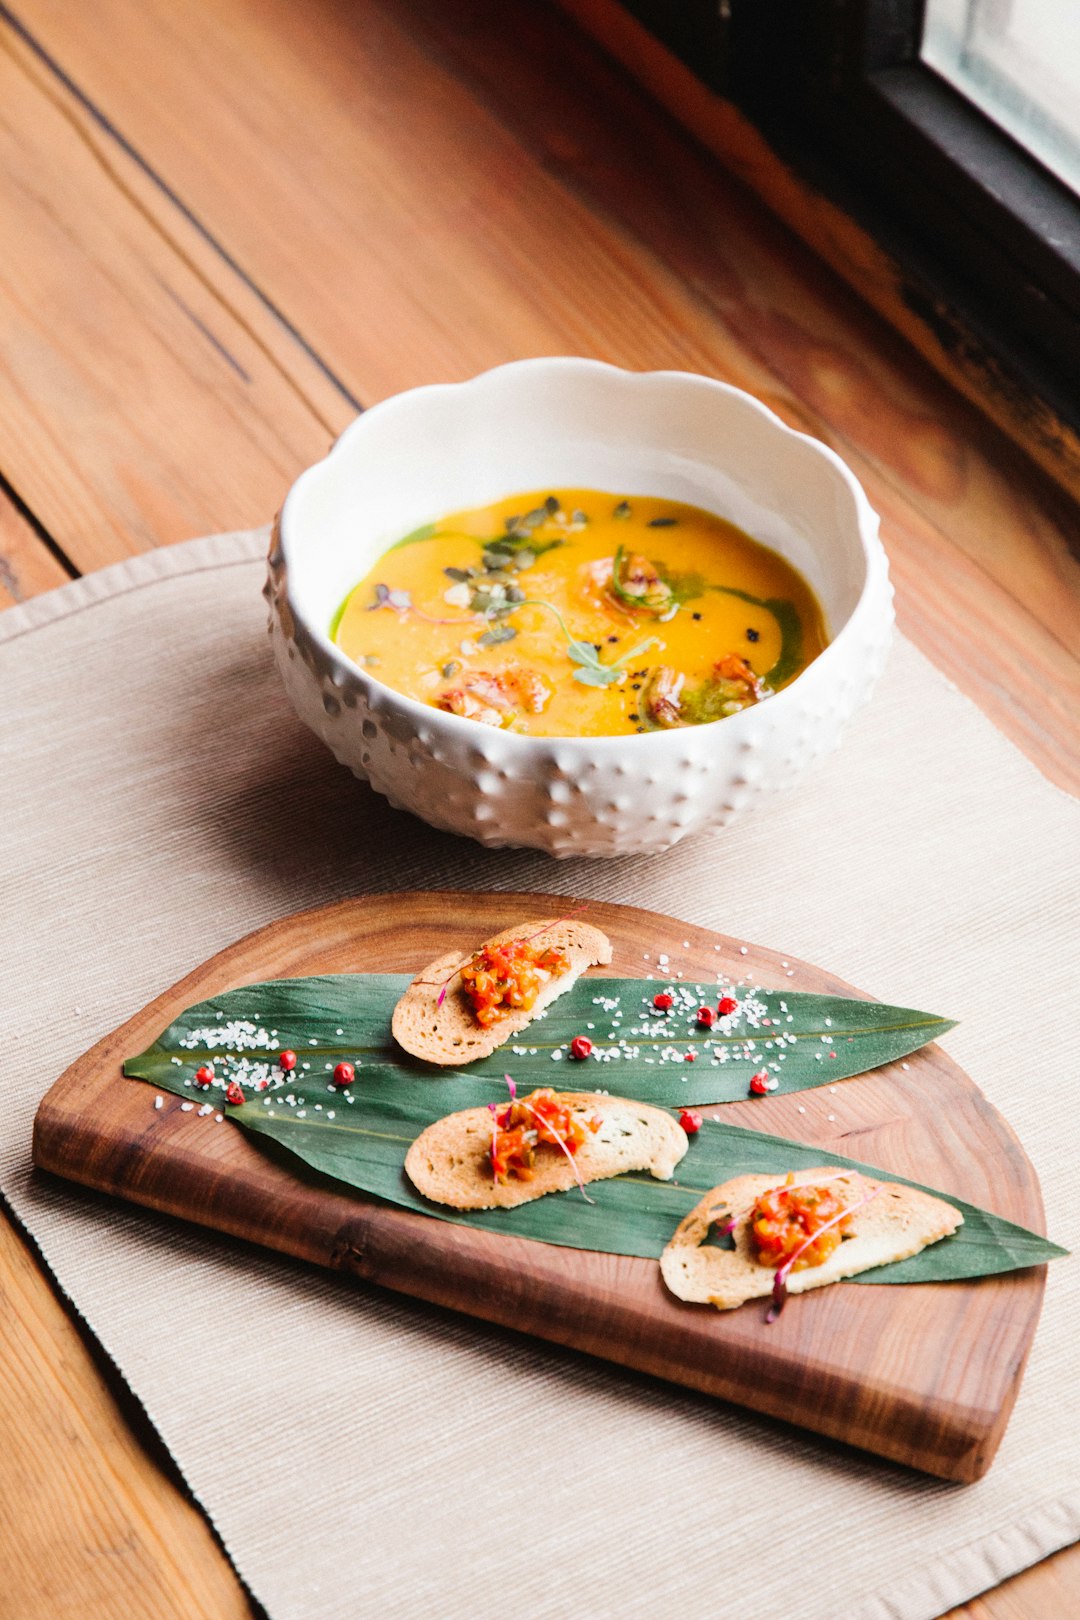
(574, 423)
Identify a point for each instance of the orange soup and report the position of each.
(575, 613)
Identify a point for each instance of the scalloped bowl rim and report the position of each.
(866, 527)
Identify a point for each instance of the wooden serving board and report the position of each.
(923, 1373)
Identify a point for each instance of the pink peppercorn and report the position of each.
(233, 1094)
(705, 1016)
(663, 1002)
(727, 1005)
(204, 1076)
(580, 1046)
(286, 1061)
(690, 1120)
(759, 1083)
(344, 1075)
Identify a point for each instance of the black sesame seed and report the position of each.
(613, 638)
(753, 635)
(696, 615)
(635, 717)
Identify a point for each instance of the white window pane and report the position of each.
(1019, 62)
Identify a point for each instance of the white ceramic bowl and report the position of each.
(566, 423)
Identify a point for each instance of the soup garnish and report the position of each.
(580, 613)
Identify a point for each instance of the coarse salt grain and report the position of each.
(159, 1102)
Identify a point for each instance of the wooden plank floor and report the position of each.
(229, 222)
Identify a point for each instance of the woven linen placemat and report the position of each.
(365, 1455)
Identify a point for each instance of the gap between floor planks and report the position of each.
(91, 1527)
(151, 393)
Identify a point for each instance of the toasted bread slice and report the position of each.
(450, 1034)
(897, 1223)
(450, 1162)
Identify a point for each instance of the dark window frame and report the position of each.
(987, 239)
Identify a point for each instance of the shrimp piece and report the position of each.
(733, 668)
(639, 585)
(533, 692)
(461, 700)
(493, 699)
(663, 695)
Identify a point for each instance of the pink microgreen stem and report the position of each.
(781, 1279)
(547, 1125)
(584, 906)
(494, 1136)
(427, 618)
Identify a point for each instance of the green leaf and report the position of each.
(363, 1142)
(638, 1052)
(583, 652)
(596, 675)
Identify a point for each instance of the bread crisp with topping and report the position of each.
(888, 1222)
(451, 1161)
(437, 1020)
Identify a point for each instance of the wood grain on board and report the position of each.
(254, 115)
(460, 192)
(925, 1374)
